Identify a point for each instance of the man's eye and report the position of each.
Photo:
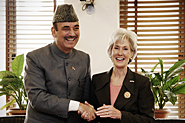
(116, 47)
(76, 28)
(65, 28)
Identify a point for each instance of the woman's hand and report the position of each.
(108, 111)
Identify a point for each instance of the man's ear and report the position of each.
(53, 31)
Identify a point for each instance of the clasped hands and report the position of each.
(88, 112)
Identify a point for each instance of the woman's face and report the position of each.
(121, 53)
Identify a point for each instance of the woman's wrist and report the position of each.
(120, 115)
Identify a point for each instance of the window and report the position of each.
(28, 26)
(160, 27)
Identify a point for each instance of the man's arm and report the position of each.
(39, 98)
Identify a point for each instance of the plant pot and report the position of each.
(16, 112)
(162, 113)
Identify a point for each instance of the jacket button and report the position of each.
(67, 63)
(69, 78)
(69, 94)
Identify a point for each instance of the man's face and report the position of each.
(67, 35)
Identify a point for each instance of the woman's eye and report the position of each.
(125, 48)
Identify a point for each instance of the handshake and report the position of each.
(88, 112)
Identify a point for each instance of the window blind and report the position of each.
(160, 27)
(10, 32)
(29, 26)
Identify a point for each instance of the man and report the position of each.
(57, 76)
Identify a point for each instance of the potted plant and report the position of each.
(166, 84)
(12, 84)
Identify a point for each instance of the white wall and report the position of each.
(2, 67)
(2, 50)
(95, 31)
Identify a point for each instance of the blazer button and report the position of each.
(69, 78)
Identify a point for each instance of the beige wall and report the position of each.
(95, 31)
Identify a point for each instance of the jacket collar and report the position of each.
(105, 80)
(59, 53)
(103, 90)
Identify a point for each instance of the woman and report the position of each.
(120, 95)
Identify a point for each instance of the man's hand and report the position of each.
(87, 111)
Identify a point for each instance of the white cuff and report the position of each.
(73, 105)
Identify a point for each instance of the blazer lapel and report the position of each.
(127, 91)
(103, 89)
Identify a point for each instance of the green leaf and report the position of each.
(143, 71)
(155, 82)
(7, 81)
(155, 92)
(176, 68)
(17, 65)
(179, 89)
(8, 104)
(177, 65)
(4, 91)
(158, 77)
(16, 83)
(171, 82)
(161, 64)
(152, 70)
(175, 73)
(5, 74)
(146, 73)
(171, 96)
